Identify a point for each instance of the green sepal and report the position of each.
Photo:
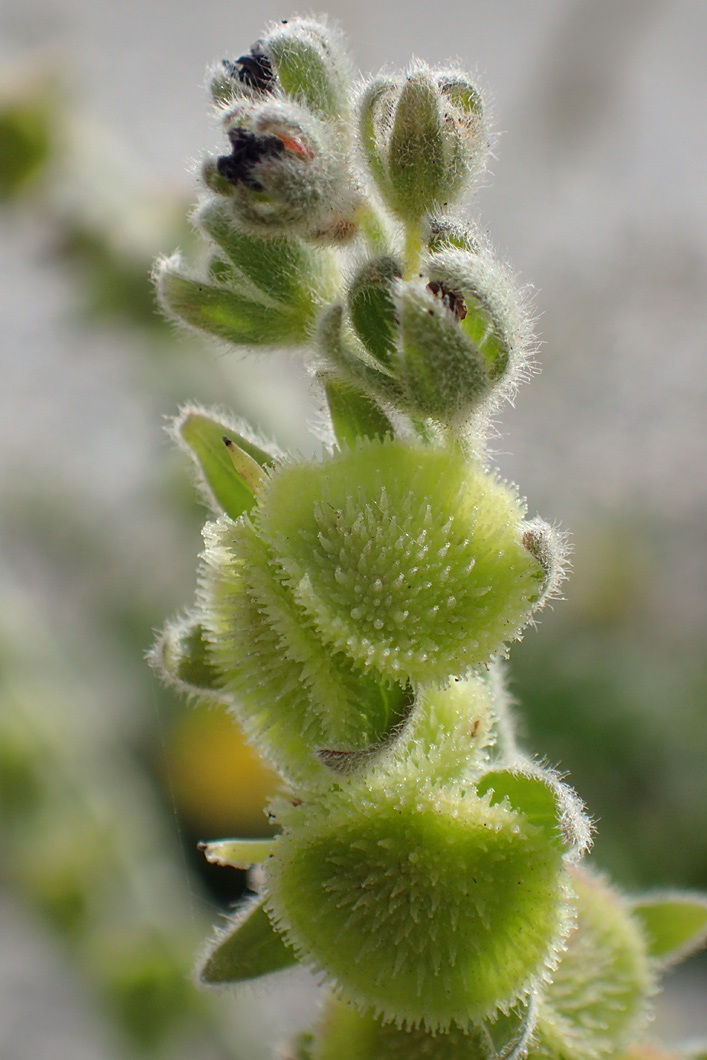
(443, 232)
(226, 313)
(293, 695)
(494, 319)
(544, 801)
(353, 413)
(183, 656)
(441, 367)
(285, 270)
(248, 948)
(420, 172)
(674, 924)
(311, 66)
(375, 106)
(372, 307)
(464, 94)
(351, 358)
(230, 490)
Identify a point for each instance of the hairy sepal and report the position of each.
(293, 695)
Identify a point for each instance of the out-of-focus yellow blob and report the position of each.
(219, 783)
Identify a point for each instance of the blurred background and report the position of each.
(107, 780)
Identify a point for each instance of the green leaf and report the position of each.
(248, 948)
(675, 924)
(418, 167)
(232, 489)
(354, 414)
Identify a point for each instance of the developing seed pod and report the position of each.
(424, 136)
(438, 346)
(409, 561)
(292, 694)
(429, 907)
(342, 1033)
(596, 1004)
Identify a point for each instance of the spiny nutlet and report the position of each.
(254, 69)
(248, 150)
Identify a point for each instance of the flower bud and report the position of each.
(427, 906)
(440, 345)
(424, 136)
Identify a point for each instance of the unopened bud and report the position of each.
(424, 136)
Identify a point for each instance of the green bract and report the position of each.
(354, 609)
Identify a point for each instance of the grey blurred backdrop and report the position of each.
(596, 196)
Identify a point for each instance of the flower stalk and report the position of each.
(354, 610)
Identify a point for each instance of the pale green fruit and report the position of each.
(409, 561)
(595, 1005)
(345, 1034)
(293, 695)
(428, 906)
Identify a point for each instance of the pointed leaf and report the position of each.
(674, 924)
(248, 948)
